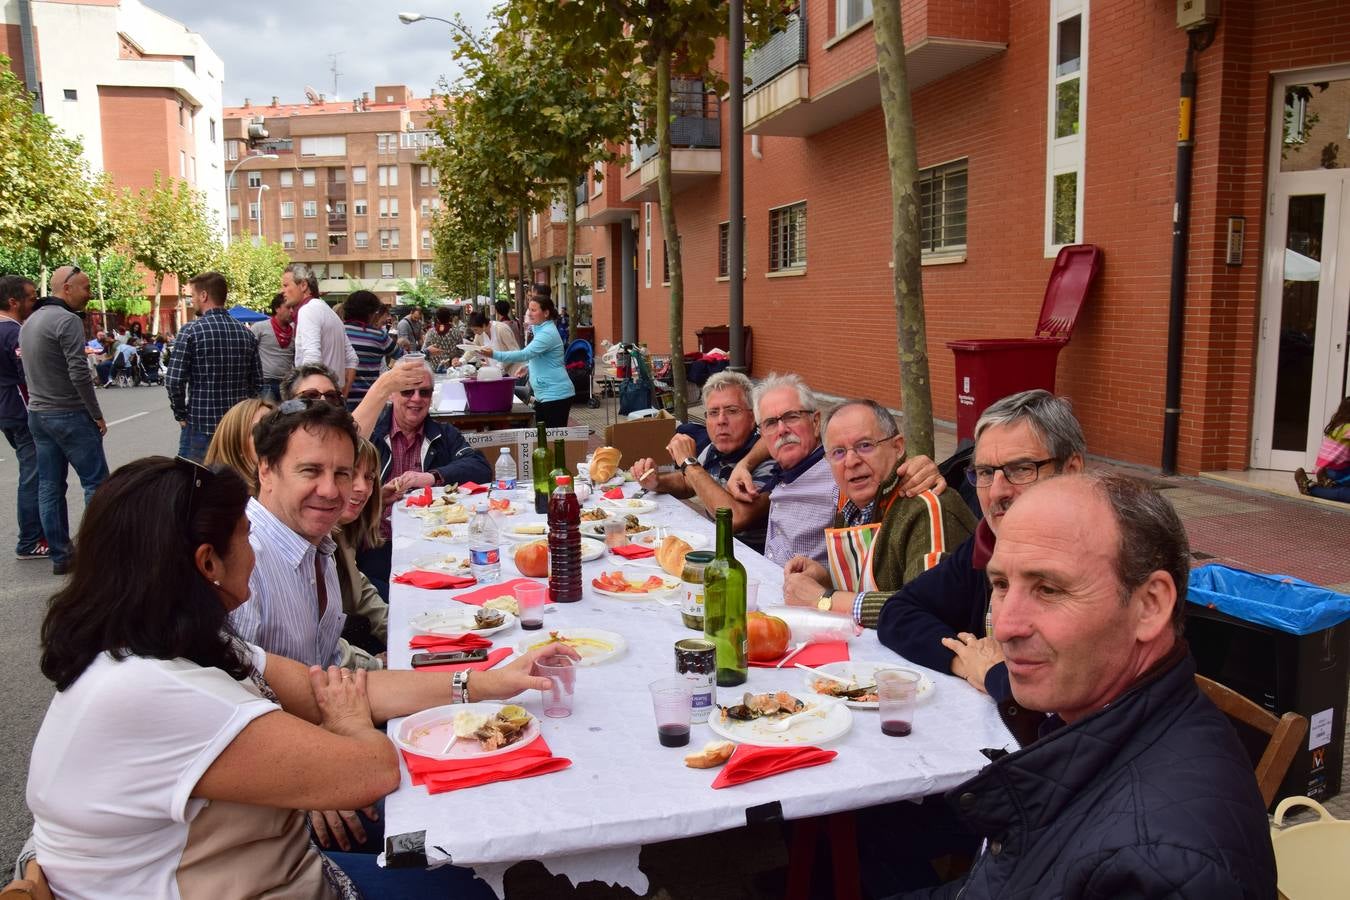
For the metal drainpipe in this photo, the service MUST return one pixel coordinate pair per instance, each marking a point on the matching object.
(29, 53)
(736, 186)
(1196, 41)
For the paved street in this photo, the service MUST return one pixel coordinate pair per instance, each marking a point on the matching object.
(139, 424)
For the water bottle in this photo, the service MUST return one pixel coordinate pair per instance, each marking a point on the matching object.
(485, 557)
(506, 471)
(564, 543)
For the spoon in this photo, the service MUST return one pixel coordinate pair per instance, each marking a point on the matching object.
(450, 743)
(783, 724)
(823, 674)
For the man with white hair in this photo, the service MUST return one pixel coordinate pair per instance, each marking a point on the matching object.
(320, 336)
(731, 430)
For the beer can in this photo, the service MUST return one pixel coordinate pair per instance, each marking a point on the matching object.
(696, 660)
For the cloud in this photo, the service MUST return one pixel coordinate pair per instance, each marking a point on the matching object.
(282, 48)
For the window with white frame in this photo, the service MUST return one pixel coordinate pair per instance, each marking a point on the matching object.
(425, 207)
(848, 13)
(384, 238)
(311, 209)
(359, 206)
(388, 176)
(557, 212)
(942, 208)
(358, 174)
(386, 270)
(427, 176)
(288, 240)
(647, 244)
(323, 146)
(288, 209)
(286, 178)
(787, 238)
(384, 207)
(182, 167)
(426, 239)
(723, 249)
(311, 240)
(307, 177)
(232, 150)
(393, 238)
(340, 208)
(601, 283)
(386, 142)
(253, 211)
(393, 207)
(362, 240)
(1067, 120)
(254, 179)
(234, 210)
(335, 270)
(435, 204)
(339, 175)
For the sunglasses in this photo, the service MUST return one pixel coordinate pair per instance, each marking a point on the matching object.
(421, 392)
(199, 474)
(333, 397)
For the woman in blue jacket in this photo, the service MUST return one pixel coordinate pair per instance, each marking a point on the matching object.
(553, 390)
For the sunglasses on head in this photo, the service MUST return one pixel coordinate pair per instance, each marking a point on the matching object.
(200, 475)
(421, 392)
(333, 397)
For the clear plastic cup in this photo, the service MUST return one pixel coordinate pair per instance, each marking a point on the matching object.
(672, 701)
(616, 532)
(530, 598)
(751, 595)
(557, 700)
(413, 357)
(897, 691)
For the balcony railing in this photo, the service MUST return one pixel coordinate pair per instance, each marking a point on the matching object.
(695, 123)
(779, 53)
(583, 191)
(275, 145)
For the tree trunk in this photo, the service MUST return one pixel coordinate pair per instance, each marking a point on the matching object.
(526, 260)
(911, 331)
(102, 301)
(672, 234)
(569, 263)
(154, 306)
(522, 238)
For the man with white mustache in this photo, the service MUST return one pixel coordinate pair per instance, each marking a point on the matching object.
(941, 619)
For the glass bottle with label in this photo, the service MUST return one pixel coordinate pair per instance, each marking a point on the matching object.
(691, 606)
(724, 614)
(541, 462)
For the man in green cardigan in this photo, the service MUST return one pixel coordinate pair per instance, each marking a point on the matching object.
(880, 539)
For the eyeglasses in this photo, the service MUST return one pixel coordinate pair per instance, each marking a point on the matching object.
(791, 417)
(421, 392)
(296, 404)
(862, 448)
(720, 412)
(333, 397)
(1021, 471)
(199, 474)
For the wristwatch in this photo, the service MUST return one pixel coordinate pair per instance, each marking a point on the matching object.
(688, 461)
(826, 602)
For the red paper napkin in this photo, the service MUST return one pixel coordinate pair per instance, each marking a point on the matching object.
(438, 643)
(434, 581)
(749, 763)
(633, 551)
(439, 776)
(502, 589)
(494, 657)
(813, 655)
(473, 487)
(421, 498)
(614, 493)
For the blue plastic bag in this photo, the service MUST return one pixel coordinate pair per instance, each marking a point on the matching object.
(1289, 604)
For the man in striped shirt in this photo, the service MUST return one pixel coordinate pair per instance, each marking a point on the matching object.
(880, 538)
(306, 457)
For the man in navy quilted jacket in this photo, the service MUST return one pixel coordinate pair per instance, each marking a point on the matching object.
(1137, 785)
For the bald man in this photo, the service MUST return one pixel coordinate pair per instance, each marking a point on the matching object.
(63, 410)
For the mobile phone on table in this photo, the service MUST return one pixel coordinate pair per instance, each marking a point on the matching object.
(450, 657)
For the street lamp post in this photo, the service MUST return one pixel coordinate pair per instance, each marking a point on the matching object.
(408, 18)
(229, 186)
(261, 188)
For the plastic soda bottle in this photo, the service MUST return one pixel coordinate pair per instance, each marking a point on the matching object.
(564, 543)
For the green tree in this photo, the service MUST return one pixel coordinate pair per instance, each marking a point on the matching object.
(424, 292)
(172, 235)
(123, 283)
(643, 43)
(253, 272)
(110, 225)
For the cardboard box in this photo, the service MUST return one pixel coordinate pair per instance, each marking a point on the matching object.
(522, 441)
(640, 438)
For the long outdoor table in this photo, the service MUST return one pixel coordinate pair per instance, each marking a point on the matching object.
(624, 789)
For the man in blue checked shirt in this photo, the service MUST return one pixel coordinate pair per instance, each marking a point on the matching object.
(214, 365)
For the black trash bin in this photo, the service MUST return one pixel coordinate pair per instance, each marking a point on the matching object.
(1285, 644)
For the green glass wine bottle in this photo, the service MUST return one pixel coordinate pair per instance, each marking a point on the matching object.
(724, 615)
(541, 463)
(559, 466)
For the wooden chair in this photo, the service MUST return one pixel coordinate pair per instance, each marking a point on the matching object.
(1286, 733)
(33, 885)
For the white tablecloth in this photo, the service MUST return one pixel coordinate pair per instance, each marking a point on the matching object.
(624, 789)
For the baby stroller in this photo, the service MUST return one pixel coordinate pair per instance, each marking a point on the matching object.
(149, 359)
(637, 391)
(126, 371)
(580, 362)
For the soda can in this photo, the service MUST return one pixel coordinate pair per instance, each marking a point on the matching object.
(696, 660)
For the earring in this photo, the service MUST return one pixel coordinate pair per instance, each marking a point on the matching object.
(216, 583)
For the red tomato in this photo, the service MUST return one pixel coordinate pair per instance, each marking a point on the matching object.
(767, 637)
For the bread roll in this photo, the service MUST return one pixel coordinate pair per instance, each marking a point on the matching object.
(671, 555)
(604, 463)
(713, 754)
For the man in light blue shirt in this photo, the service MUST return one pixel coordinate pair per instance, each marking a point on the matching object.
(306, 456)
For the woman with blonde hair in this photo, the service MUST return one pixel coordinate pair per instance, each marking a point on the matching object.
(363, 638)
(232, 444)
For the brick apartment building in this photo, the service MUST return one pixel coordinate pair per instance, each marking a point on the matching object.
(349, 191)
(1040, 123)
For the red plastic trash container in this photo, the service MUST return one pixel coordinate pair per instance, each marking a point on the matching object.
(989, 370)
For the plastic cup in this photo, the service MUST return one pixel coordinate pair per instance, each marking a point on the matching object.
(897, 690)
(530, 598)
(751, 595)
(557, 700)
(616, 532)
(413, 358)
(672, 701)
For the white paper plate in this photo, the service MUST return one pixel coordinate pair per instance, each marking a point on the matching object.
(468, 347)
(590, 655)
(633, 574)
(448, 564)
(597, 530)
(455, 621)
(458, 534)
(512, 532)
(865, 673)
(590, 548)
(654, 537)
(425, 733)
(629, 505)
(833, 723)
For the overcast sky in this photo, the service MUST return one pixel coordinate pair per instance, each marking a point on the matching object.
(282, 47)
